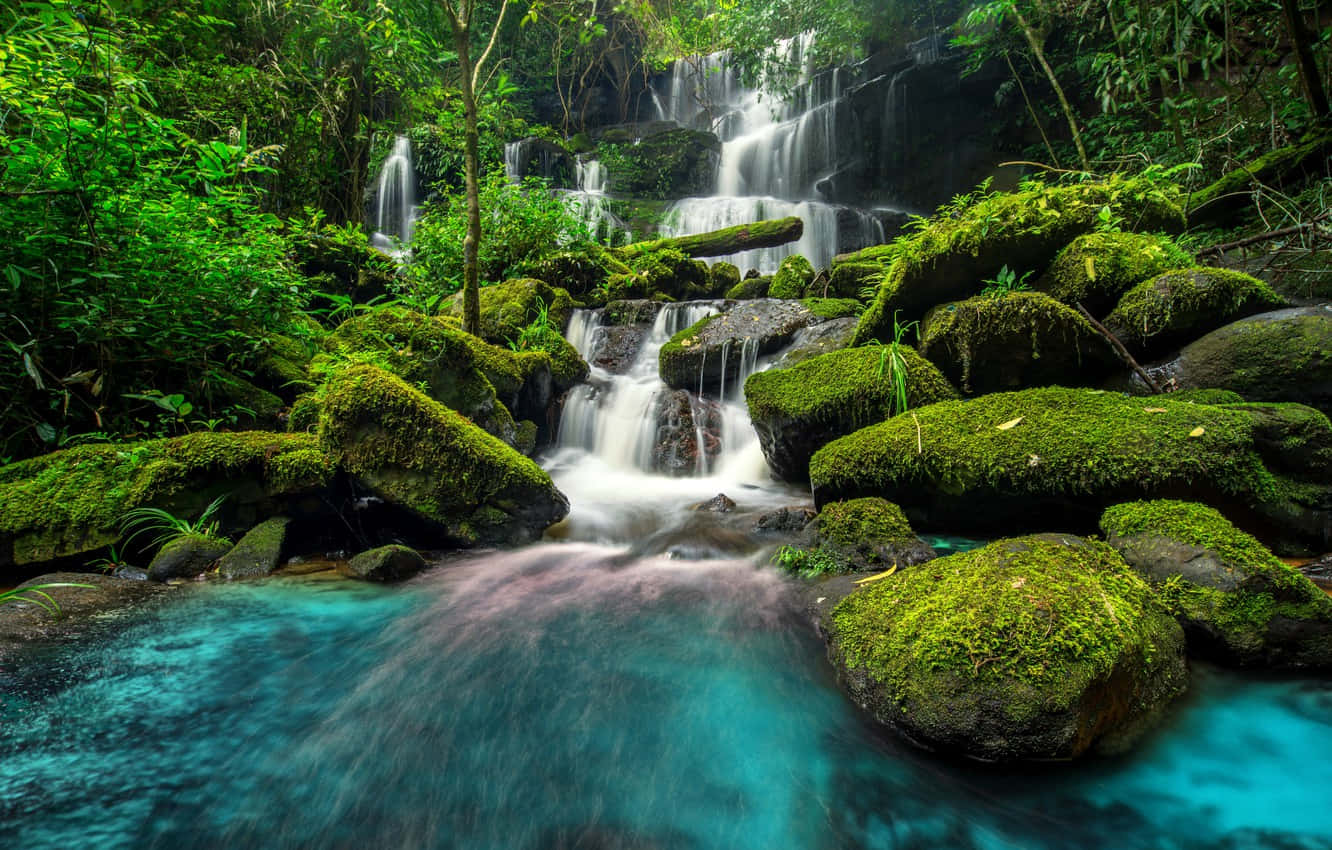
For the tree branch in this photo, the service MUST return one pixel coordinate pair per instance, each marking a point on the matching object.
(494, 36)
(1120, 350)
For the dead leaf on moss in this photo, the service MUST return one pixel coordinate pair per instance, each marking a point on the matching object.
(1009, 424)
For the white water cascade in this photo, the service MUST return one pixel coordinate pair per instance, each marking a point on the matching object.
(395, 201)
(588, 201)
(774, 154)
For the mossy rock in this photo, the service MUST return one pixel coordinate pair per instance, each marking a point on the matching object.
(868, 534)
(793, 277)
(252, 405)
(283, 366)
(750, 288)
(822, 338)
(833, 308)
(415, 453)
(950, 256)
(675, 163)
(1285, 355)
(1097, 268)
(1236, 600)
(258, 553)
(850, 279)
(723, 277)
(393, 562)
(578, 272)
(187, 556)
(303, 417)
(71, 502)
(797, 411)
(1159, 314)
(1032, 648)
(508, 307)
(347, 268)
(1009, 461)
(667, 273)
(1019, 340)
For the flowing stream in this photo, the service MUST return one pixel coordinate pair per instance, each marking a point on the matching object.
(645, 682)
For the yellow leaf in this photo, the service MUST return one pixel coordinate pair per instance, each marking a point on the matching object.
(1090, 265)
(1009, 424)
(1153, 410)
(1198, 432)
(878, 576)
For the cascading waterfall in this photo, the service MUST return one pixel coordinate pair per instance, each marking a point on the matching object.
(774, 154)
(587, 201)
(395, 200)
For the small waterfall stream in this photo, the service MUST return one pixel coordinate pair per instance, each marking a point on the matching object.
(395, 200)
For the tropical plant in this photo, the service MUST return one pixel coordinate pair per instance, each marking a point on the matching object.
(1005, 283)
(540, 334)
(166, 526)
(892, 363)
(806, 563)
(36, 595)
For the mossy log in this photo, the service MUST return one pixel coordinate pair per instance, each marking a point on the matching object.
(729, 240)
(1231, 192)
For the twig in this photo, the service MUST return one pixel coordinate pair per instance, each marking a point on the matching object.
(1263, 237)
(1120, 350)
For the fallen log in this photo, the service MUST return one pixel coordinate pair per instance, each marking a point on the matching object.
(730, 240)
(1234, 190)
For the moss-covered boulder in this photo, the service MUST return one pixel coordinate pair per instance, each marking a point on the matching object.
(252, 405)
(664, 274)
(867, 534)
(343, 266)
(793, 277)
(1023, 339)
(283, 364)
(1097, 268)
(187, 556)
(393, 562)
(1236, 600)
(1170, 309)
(71, 502)
(722, 278)
(508, 307)
(797, 411)
(1030, 648)
(1285, 355)
(466, 486)
(671, 163)
(1023, 460)
(950, 256)
(578, 272)
(749, 289)
(713, 350)
(258, 553)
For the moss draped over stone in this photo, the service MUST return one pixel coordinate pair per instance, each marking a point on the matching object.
(418, 454)
(508, 307)
(948, 259)
(1027, 459)
(1035, 647)
(70, 502)
(793, 277)
(1097, 268)
(868, 534)
(1236, 600)
(798, 410)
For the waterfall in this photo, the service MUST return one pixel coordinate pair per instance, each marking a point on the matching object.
(587, 201)
(395, 200)
(777, 155)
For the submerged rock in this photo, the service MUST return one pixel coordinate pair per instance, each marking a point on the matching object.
(1236, 600)
(258, 553)
(1032, 648)
(187, 556)
(796, 411)
(387, 563)
(1028, 459)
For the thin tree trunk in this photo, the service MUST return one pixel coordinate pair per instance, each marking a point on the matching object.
(472, 182)
(1035, 44)
(1302, 42)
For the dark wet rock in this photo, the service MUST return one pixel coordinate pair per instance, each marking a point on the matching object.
(1032, 648)
(683, 419)
(617, 346)
(1237, 602)
(1319, 569)
(713, 350)
(631, 312)
(387, 563)
(258, 553)
(187, 556)
(80, 608)
(819, 339)
(788, 520)
(131, 573)
(669, 162)
(1285, 355)
(718, 504)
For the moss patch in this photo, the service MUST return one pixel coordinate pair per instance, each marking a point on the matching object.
(508, 307)
(1180, 305)
(834, 308)
(750, 288)
(1097, 268)
(792, 279)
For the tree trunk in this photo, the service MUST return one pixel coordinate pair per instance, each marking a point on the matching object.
(730, 240)
(472, 183)
(1035, 44)
(1302, 42)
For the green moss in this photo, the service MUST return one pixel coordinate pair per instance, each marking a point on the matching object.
(1282, 356)
(850, 385)
(72, 501)
(1267, 168)
(421, 455)
(723, 277)
(1206, 396)
(1028, 617)
(578, 272)
(508, 307)
(1021, 339)
(673, 164)
(856, 520)
(1178, 304)
(687, 337)
(850, 279)
(304, 414)
(833, 308)
(1097, 268)
(750, 288)
(793, 277)
(1058, 442)
(949, 256)
(668, 272)
(225, 389)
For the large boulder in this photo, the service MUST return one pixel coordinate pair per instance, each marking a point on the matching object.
(1170, 309)
(688, 435)
(1095, 269)
(797, 411)
(1022, 460)
(713, 351)
(508, 307)
(466, 487)
(867, 534)
(793, 277)
(72, 502)
(953, 253)
(1236, 600)
(258, 553)
(823, 338)
(1033, 648)
(670, 163)
(83, 599)
(1285, 355)
(1023, 339)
